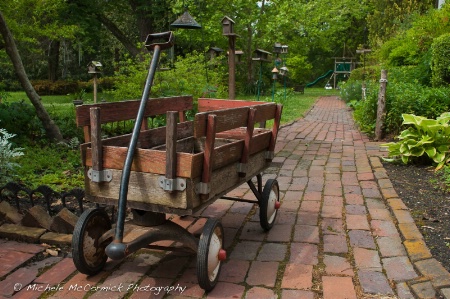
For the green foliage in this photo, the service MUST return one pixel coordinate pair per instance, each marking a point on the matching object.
(188, 77)
(8, 156)
(19, 118)
(56, 165)
(441, 60)
(365, 111)
(404, 95)
(407, 98)
(424, 136)
(351, 91)
(299, 67)
(388, 17)
(412, 46)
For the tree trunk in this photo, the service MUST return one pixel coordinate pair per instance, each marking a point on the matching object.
(134, 51)
(53, 60)
(51, 129)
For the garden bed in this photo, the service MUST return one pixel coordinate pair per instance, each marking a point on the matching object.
(429, 204)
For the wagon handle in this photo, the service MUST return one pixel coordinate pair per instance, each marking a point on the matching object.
(117, 249)
(164, 40)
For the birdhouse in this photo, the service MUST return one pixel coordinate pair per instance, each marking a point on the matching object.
(237, 55)
(284, 71)
(274, 73)
(227, 26)
(213, 52)
(284, 49)
(94, 67)
(261, 55)
(277, 48)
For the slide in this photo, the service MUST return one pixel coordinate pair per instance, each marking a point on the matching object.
(320, 78)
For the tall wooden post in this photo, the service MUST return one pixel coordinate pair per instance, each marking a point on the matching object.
(231, 67)
(95, 88)
(381, 111)
(228, 30)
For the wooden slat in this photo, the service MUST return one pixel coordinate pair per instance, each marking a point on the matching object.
(206, 104)
(209, 148)
(248, 137)
(276, 126)
(151, 161)
(142, 187)
(227, 154)
(265, 112)
(152, 137)
(171, 144)
(125, 110)
(96, 136)
(226, 120)
(260, 142)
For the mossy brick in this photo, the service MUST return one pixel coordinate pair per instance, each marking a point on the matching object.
(64, 222)
(397, 204)
(424, 290)
(9, 213)
(432, 269)
(37, 216)
(21, 233)
(410, 231)
(417, 249)
(56, 239)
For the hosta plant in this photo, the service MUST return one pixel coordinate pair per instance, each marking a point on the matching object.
(430, 137)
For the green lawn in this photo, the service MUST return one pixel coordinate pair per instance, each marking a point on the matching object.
(296, 104)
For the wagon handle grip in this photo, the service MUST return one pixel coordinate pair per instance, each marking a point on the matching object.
(163, 39)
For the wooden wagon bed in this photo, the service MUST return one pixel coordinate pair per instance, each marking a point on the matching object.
(185, 165)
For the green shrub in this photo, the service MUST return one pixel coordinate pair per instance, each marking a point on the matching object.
(351, 90)
(408, 98)
(401, 98)
(188, 77)
(60, 87)
(19, 118)
(365, 111)
(441, 60)
(423, 138)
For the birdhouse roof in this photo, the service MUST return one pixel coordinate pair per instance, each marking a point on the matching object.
(95, 63)
(227, 19)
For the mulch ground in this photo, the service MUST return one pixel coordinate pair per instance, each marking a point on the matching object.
(423, 192)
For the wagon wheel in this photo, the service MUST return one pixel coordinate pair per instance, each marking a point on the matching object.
(268, 207)
(89, 256)
(210, 254)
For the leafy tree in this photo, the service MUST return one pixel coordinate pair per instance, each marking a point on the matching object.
(10, 46)
(388, 17)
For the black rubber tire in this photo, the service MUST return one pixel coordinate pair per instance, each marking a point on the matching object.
(88, 256)
(212, 232)
(271, 195)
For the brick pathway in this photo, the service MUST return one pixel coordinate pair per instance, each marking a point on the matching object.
(341, 232)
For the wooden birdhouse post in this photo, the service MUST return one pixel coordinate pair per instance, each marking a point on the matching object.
(228, 30)
(94, 67)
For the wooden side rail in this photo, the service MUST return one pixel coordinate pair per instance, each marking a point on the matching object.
(126, 110)
(233, 118)
(207, 104)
